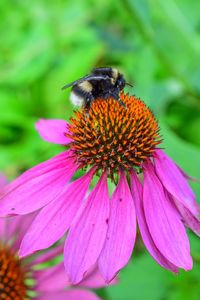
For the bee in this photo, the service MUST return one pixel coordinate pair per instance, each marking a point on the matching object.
(104, 82)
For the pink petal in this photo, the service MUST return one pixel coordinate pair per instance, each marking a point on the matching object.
(3, 235)
(174, 181)
(16, 228)
(88, 233)
(51, 279)
(55, 218)
(94, 279)
(13, 229)
(79, 294)
(3, 180)
(72, 294)
(163, 221)
(53, 131)
(37, 170)
(43, 257)
(121, 232)
(136, 188)
(189, 219)
(37, 186)
(186, 176)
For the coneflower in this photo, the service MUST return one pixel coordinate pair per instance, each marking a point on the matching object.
(28, 278)
(122, 144)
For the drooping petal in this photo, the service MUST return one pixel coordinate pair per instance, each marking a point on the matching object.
(51, 279)
(174, 181)
(37, 186)
(43, 257)
(136, 188)
(88, 232)
(53, 131)
(17, 227)
(38, 170)
(93, 279)
(55, 218)
(75, 294)
(3, 236)
(121, 233)
(163, 221)
(3, 180)
(72, 294)
(188, 218)
(186, 176)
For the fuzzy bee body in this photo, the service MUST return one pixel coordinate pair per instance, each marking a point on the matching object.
(101, 83)
(81, 93)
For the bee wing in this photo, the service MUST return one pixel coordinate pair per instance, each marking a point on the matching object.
(88, 77)
(101, 69)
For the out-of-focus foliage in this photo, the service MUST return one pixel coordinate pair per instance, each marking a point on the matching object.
(156, 44)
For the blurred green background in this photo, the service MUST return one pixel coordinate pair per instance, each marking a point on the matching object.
(156, 44)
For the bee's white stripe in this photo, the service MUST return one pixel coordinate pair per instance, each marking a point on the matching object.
(76, 100)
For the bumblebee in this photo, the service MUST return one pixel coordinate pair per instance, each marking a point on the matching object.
(102, 83)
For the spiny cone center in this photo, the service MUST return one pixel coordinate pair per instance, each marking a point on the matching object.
(112, 137)
(12, 279)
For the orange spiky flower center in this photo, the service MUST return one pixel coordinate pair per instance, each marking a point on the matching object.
(12, 276)
(111, 137)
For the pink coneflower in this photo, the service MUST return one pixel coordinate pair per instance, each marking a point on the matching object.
(116, 144)
(20, 279)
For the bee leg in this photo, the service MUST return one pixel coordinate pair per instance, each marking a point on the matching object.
(121, 103)
(116, 97)
(88, 101)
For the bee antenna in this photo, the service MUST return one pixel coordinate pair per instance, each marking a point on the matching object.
(126, 83)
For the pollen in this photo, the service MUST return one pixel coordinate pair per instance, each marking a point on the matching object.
(12, 278)
(112, 137)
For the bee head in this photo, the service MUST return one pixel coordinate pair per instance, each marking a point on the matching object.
(120, 83)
